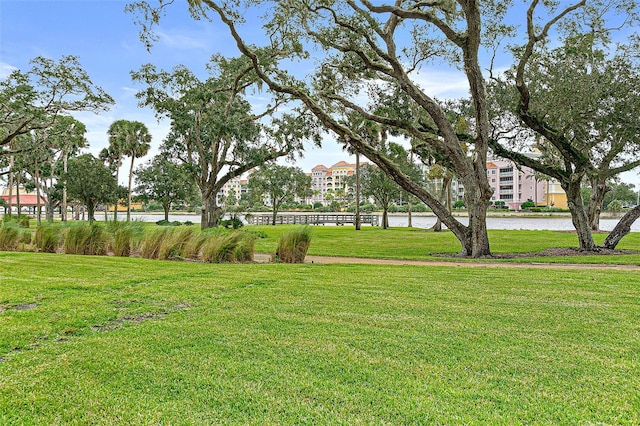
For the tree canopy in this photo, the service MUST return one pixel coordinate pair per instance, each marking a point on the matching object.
(89, 181)
(164, 181)
(279, 184)
(34, 99)
(377, 50)
(575, 105)
(214, 129)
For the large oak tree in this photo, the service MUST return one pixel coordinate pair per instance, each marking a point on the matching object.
(577, 105)
(214, 130)
(33, 100)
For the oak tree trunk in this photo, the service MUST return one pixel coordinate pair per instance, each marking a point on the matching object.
(596, 200)
(578, 215)
(622, 228)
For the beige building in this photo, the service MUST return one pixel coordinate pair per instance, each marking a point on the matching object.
(238, 185)
(328, 183)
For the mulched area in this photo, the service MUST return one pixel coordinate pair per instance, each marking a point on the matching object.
(560, 251)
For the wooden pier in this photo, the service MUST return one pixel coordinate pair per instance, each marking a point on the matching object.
(313, 219)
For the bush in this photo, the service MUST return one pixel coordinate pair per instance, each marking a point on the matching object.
(615, 206)
(527, 204)
(547, 210)
(233, 223)
(293, 245)
(152, 243)
(48, 237)
(164, 222)
(10, 234)
(172, 246)
(419, 208)
(126, 236)
(83, 238)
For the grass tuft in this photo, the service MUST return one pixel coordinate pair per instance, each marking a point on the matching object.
(235, 247)
(293, 245)
(82, 238)
(172, 246)
(10, 233)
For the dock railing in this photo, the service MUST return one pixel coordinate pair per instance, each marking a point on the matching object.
(312, 219)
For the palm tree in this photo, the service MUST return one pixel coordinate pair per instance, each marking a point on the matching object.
(137, 145)
(113, 155)
(371, 131)
(131, 139)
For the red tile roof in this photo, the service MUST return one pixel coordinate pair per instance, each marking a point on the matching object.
(25, 200)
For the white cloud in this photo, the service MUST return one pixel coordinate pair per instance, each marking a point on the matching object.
(181, 41)
(442, 84)
(5, 70)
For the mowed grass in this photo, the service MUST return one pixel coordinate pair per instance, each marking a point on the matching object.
(105, 340)
(420, 244)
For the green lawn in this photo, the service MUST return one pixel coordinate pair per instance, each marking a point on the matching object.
(418, 244)
(103, 340)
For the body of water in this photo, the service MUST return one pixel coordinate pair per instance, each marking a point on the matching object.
(510, 222)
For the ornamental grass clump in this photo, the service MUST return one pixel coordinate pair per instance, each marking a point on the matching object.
(235, 247)
(127, 237)
(245, 249)
(10, 234)
(172, 246)
(220, 248)
(193, 247)
(48, 237)
(152, 243)
(84, 238)
(293, 245)
(21, 220)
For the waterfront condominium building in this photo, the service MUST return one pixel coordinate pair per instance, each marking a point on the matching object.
(515, 185)
(330, 182)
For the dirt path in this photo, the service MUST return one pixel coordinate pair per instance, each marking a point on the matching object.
(266, 257)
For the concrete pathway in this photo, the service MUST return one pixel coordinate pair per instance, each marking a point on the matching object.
(266, 257)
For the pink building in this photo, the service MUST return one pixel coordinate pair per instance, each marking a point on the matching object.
(514, 186)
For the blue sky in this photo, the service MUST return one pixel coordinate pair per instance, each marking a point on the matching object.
(106, 40)
(107, 43)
